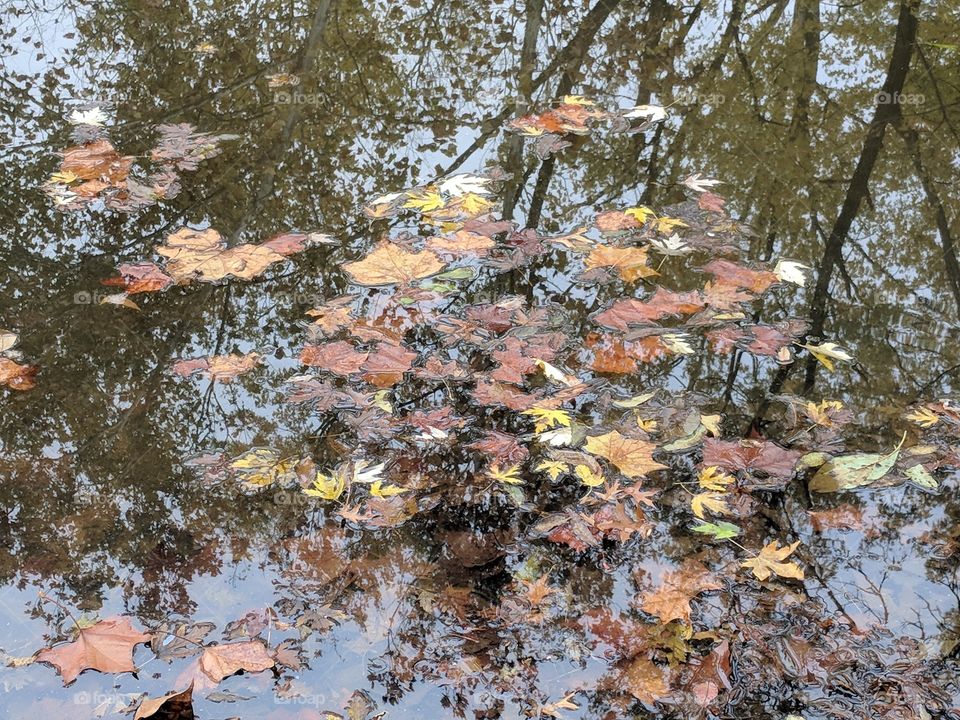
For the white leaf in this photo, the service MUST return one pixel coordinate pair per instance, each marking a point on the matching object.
(677, 343)
(558, 437)
(465, 183)
(792, 272)
(363, 472)
(672, 245)
(698, 183)
(650, 113)
(95, 117)
(386, 199)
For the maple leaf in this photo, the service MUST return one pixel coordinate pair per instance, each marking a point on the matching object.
(510, 475)
(588, 477)
(96, 160)
(385, 366)
(650, 113)
(462, 242)
(94, 116)
(328, 487)
(259, 467)
(390, 264)
(755, 281)
(339, 357)
(106, 646)
(616, 221)
(792, 272)
(220, 661)
(140, 277)
(553, 709)
(645, 680)
(465, 183)
(178, 703)
(712, 501)
(378, 489)
(770, 560)
(631, 456)
(424, 201)
(630, 262)
(713, 478)
(750, 455)
(698, 183)
(671, 600)
(548, 417)
(553, 468)
(224, 368)
(203, 255)
(923, 416)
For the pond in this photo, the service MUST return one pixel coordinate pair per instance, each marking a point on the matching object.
(455, 359)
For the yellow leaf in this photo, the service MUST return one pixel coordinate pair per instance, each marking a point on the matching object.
(553, 468)
(473, 204)
(63, 178)
(713, 478)
(770, 561)
(646, 425)
(548, 418)
(327, 487)
(668, 225)
(641, 213)
(588, 477)
(378, 489)
(711, 423)
(630, 262)
(711, 501)
(510, 476)
(924, 417)
(827, 352)
(424, 200)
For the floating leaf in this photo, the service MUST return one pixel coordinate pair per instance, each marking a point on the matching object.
(106, 646)
(631, 456)
(770, 561)
(390, 264)
(720, 530)
(852, 471)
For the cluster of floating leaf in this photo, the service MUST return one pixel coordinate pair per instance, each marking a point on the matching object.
(501, 390)
(93, 170)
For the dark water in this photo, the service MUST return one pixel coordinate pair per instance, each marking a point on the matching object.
(787, 102)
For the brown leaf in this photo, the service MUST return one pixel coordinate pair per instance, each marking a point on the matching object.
(770, 560)
(338, 357)
(106, 646)
(671, 601)
(223, 368)
(385, 366)
(750, 456)
(756, 281)
(624, 313)
(16, 376)
(390, 264)
(175, 704)
(645, 680)
(140, 278)
(220, 661)
(631, 456)
(630, 262)
(96, 160)
(202, 255)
